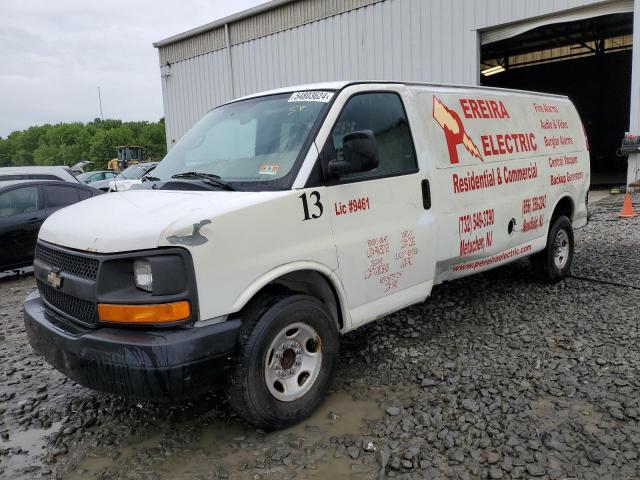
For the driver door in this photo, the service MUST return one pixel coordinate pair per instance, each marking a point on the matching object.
(380, 225)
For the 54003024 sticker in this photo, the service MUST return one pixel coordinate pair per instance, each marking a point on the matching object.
(352, 206)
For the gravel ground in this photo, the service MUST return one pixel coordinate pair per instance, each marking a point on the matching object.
(496, 376)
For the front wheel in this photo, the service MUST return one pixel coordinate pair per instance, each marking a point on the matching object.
(286, 359)
(553, 263)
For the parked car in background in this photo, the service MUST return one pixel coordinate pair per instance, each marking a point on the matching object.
(24, 205)
(91, 177)
(37, 173)
(80, 166)
(131, 176)
(103, 184)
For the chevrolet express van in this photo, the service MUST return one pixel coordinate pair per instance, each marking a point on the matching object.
(283, 219)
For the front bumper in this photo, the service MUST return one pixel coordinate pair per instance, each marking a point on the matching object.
(150, 364)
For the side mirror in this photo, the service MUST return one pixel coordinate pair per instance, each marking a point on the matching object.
(359, 154)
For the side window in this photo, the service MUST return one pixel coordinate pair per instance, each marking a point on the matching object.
(29, 176)
(59, 196)
(84, 194)
(384, 114)
(39, 176)
(19, 201)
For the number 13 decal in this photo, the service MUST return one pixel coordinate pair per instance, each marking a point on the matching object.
(316, 203)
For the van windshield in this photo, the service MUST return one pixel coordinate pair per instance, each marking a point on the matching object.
(254, 142)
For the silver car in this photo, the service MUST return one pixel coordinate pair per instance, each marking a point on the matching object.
(91, 178)
(132, 175)
(37, 173)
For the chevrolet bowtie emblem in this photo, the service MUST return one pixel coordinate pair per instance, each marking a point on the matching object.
(54, 279)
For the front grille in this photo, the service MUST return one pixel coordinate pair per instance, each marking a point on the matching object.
(80, 310)
(79, 266)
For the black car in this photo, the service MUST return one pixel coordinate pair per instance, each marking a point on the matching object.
(24, 205)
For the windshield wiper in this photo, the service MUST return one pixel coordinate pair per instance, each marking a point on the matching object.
(149, 178)
(208, 178)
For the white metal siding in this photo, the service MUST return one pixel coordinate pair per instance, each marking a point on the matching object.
(283, 16)
(197, 45)
(427, 40)
(290, 15)
(192, 88)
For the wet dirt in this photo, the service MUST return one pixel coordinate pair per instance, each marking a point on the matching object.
(214, 447)
(25, 445)
(496, 376)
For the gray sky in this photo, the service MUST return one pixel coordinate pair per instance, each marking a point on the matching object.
(54, 53)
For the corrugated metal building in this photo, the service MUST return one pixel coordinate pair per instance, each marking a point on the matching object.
(288, 42)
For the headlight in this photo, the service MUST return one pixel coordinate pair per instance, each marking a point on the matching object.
(149, 287)
(143, 276)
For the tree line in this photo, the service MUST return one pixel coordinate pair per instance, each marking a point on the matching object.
(69, 143)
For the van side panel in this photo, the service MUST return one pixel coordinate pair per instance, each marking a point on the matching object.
(503, 161)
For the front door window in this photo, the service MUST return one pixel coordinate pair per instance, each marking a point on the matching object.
(383, 114)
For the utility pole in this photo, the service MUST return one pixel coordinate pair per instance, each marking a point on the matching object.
(100, 102)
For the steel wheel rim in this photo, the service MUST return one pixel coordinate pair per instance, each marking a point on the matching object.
(293, 362)
(561, 248)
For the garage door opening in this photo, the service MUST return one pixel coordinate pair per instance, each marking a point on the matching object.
(588, 60)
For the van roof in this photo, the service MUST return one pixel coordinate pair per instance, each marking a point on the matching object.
(343, 84)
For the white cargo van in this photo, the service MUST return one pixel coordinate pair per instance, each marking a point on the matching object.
(285, 218)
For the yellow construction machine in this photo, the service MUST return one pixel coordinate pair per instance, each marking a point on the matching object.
(127, 155)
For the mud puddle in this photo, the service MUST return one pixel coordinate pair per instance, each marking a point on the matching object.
(552, 414)
(25, 446)
(213, 448)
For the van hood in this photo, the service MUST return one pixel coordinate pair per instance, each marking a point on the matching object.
(142, 219)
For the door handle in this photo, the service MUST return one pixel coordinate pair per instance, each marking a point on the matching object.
(426, 194)
(34, 220)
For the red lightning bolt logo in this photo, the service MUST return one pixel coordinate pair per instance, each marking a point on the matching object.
(453, 131)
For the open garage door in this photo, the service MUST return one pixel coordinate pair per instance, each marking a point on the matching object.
(587, 58)
(511, 30)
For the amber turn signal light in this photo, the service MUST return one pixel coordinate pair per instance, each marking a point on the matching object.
(138, 314)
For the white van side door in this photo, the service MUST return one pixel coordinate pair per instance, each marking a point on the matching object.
(381, 227)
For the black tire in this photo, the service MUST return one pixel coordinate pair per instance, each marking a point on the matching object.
(264, 319)
(545, 265)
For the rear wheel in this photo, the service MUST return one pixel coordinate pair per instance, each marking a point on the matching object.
(286, 359)
(554, 262)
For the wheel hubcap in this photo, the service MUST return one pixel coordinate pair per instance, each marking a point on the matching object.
(561, 249)
(293, 362)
